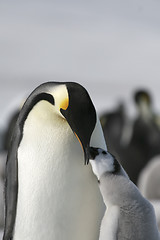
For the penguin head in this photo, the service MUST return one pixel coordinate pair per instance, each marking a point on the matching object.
(141, 96)
(103, 162)
(80, 115)
(71, 102)
(143, 103)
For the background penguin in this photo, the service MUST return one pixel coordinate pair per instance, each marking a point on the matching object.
(50, 193)
(7, 124)
(9, 130)
(149, 184)
(149, 179)
(2, 177)
(146, 134)
(145, 139)
(8, 119)
(113, 123)
(129, 215)
(133, 142)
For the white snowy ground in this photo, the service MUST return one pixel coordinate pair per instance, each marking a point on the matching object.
(111, 47)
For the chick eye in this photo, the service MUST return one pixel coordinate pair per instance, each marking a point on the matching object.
(104, 152)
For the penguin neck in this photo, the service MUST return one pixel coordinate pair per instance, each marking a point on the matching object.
(145, 111)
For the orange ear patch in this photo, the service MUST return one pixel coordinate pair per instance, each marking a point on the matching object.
(78, 140)
(64, 104)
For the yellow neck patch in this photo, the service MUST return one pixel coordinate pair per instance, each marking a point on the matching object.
(64, 104)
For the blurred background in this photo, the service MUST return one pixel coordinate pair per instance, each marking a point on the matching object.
(110, 47)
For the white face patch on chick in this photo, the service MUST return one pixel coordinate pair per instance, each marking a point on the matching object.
(102, 162)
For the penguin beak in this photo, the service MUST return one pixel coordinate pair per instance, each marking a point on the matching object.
(81, 116)
(79, 131)
(93, 153)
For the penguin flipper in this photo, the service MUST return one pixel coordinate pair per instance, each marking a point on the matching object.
(11, 187)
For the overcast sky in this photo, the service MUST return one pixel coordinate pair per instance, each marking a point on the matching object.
(111, 47)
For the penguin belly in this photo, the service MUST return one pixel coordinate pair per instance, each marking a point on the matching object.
(58, 196)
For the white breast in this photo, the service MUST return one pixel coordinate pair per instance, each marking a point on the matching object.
(58, 196)
(109, 226)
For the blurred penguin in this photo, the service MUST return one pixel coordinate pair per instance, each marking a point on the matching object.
(7, 123)
(144, 142)
(149, 179)
(3, 157)
(149, 184)
(146, 134)
(9, 130)
(8, 119)
(112, 124)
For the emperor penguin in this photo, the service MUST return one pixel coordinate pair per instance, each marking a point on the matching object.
(51, 192)
(143, 142)
(149, 184)
(129, 215)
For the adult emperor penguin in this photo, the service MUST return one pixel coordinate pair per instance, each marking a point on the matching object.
(50, 193)
(149, 184)
(129, 215)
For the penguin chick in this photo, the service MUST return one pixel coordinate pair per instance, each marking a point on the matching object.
(129, 215)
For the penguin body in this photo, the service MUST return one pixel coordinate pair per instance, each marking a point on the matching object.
(2, 175)
(129, 215)
(145, 138)
(113, 124)
(56, 195)
(149, 179)
(148, 184)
